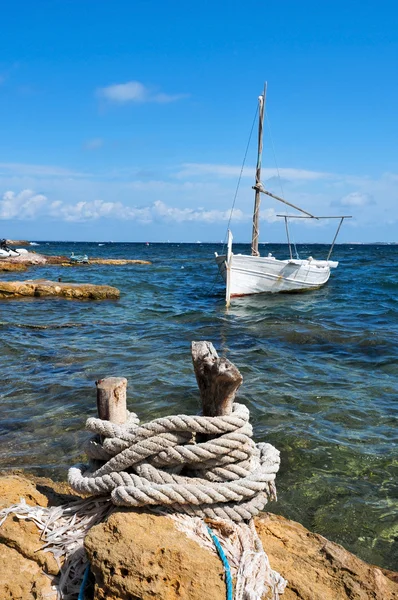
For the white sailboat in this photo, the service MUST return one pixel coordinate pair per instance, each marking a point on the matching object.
(254, 274)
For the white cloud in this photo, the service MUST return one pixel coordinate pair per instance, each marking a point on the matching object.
(28, 205)
(269, 215)
(355, 199)
(193, 196)
(162, 211)
(134, 91)
(25, 205)
(97, 209)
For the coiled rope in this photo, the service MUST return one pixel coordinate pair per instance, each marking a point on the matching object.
(165, 463)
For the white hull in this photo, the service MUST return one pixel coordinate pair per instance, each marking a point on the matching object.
(9, 253)
(245, 274)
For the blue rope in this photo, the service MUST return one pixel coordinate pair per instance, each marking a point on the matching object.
(84, 583)
(224, 560)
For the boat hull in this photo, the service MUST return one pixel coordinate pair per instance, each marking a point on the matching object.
(245, 275)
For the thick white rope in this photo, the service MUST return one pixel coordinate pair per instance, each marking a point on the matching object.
(249, 564)
(163, 463)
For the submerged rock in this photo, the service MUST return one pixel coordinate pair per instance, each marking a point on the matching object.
(11, 266)
(41, 288)
(117, 261)
(31, 258)
(140, 555)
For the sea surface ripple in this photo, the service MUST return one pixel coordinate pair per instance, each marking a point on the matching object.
(320, 372)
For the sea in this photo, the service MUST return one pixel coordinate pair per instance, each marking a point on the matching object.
(320, 372)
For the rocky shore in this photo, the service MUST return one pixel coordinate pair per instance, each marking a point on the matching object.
(139, 555)
(41, 288)
(31, 259)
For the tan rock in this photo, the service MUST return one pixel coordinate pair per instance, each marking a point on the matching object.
(14, 487)
(37, 491)
(17, 243)
(32, 258)
(41, 288)
(28, 258)
(143, 556)
(24, 537)
(118, 261)
(21, 559)
(318, 569)
(22, 579)
(65, 262)
(9, 266)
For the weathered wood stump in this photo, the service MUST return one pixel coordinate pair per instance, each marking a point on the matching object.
(218, 379)
(111, 399)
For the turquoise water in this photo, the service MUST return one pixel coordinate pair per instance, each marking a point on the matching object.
(320, 373)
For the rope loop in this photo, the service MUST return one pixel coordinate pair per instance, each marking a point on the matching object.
(202, 466)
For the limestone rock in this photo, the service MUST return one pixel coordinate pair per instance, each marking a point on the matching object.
(10, 266)
(32, 258)
(17, 243)
(29, 258)
(118, 261)
(41, 288)
(22, 562)
(22, 579)
(142, 556)
(64, 261)
(318, 569)
(14, 487)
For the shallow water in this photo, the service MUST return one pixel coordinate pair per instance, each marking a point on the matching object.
(320, 373)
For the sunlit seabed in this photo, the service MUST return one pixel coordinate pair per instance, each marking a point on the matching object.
(320, 373)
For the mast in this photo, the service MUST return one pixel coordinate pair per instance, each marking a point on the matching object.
(257, 186)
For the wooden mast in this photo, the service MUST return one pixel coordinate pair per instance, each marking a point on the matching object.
(257, 186)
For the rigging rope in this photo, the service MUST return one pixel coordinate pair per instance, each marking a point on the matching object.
(239, 179)
(218, 274)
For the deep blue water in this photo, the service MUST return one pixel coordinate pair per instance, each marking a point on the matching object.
(320, 372)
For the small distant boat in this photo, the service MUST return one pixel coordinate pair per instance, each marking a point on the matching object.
(7, 252)
(253, 274)
(78, 258)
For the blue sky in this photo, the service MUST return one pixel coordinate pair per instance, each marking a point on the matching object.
(129, 120)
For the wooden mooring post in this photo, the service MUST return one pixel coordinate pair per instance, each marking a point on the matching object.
(218, 381)
(111, 399)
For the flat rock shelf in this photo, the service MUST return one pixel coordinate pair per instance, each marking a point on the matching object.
(140, 555)
(65, 262)
(42, 288)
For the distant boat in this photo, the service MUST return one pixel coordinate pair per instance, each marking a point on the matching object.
(7, 252)
(78, 258)
(254, 274)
